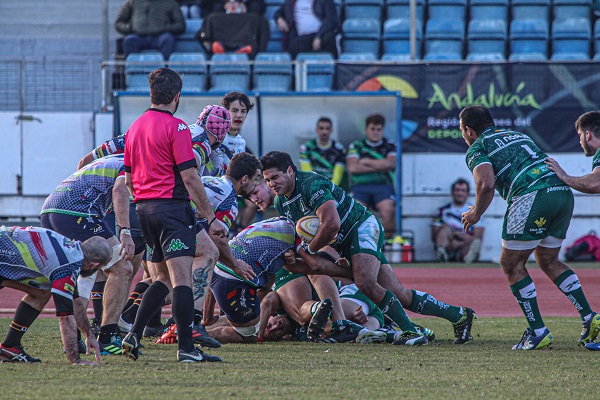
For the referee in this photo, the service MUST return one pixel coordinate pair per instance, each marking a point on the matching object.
(160, 172)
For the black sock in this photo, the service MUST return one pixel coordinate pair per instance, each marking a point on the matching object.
(24, 317)
(152, 300)
(155, 320)
(183, 313)
(139, 288)
(97, 296)
(106, 332)
(130, 313)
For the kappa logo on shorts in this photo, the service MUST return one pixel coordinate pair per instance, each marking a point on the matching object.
(540, 222)
(181, 127)
(176, 245)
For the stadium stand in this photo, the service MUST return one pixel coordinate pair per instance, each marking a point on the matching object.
(275, 44)
(192, 70)
(564, 9)
(186, 42)
(571, 36)
(486, 36)
(488, 9)
(395, 57)
(597, 38)
(363, 9)
(447, 9)
(229, 72)
(531, 9)
(356, 57)
(401, 9)
(272, 72)
(137, 68)
(444, 39)
(271, 6)
(529, 36)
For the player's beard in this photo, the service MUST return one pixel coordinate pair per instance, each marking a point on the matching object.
(586, 149)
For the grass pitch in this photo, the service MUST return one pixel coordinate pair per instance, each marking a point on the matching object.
(484, 368)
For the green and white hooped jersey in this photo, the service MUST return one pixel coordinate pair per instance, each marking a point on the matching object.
(517, 161)
(311, 191)
(596, 160)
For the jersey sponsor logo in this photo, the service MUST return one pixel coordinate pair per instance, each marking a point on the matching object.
(316, 195)
(176, 245)
(181, 127)
(69, 288)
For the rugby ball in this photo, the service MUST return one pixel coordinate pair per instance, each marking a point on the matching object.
(307, 227)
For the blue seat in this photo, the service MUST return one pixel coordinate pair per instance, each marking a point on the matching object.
(597, 37)
(396, 57)
(229, 72)
(192, 69)
(401, 9)
(570, 56)
(572, 9)
(531, 9)
(316, 72)
(357, 57)
(447, 9)
(361, 36)
(186, 42)
(486, 36)
(275, 43)
(444, 36)
(363, 9)
(527, 57)
(138, 66)
(396, 36)
(486, 57)
(529, 36)
(571, 35)
(442, 56)
(489, 9)
(272, 72)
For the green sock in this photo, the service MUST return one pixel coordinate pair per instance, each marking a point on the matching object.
(524, 292)
(390, 306)
(340, 324)
(568, 283)
(426, 304)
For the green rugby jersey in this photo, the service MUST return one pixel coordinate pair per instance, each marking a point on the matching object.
(321, 160)
(596, 160)
(310, 192)
(362, 149)
(517, 161)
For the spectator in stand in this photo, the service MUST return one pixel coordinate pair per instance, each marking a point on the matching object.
(371, 164)
(452, 243)
(150, 25)
(216, 6)
(308, 26)
(236, 30)
(323, 155)
(191, 9)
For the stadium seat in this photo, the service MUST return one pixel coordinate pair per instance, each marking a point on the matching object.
(401, 9)
(531, 9)
(442, 56)
(396, 36)
(395, 57)
(318, 71)
(527, 57)
(356, 57)
(363, 9)
(486, 57)
(272, 72)
(361, 36)
(571, 35)
(138, 66)
(529, 36)
(275, 43)
(489, 9)
(229, 72)
(444, 37)
(447, 9)
(192, 69)
(486, 36)
(570, 56)
(271, 6)
(186, 42)
(564, 9)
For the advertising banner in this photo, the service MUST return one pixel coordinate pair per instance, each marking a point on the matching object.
(542, 100)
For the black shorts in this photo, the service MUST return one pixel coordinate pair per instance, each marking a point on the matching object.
(237, 299)
(76, 228)
(169, 227)
(134, 226)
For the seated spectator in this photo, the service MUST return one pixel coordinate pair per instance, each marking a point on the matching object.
(323, 155)
(452, 243)
(371, 164)
(191, 9)
(150, 25)
(234, 31)
(308, 26)
(216, 6)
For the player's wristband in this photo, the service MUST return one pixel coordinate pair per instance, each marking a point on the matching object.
(211, 221)
(308, 250)
(124, 228)
(125, 231)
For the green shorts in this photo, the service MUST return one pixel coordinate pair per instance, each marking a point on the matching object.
(537, 215)
(368, 238)
(352, 292)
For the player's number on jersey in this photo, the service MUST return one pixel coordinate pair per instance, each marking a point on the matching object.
(529, 151)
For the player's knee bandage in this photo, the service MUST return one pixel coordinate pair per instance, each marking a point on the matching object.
(247, 331)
